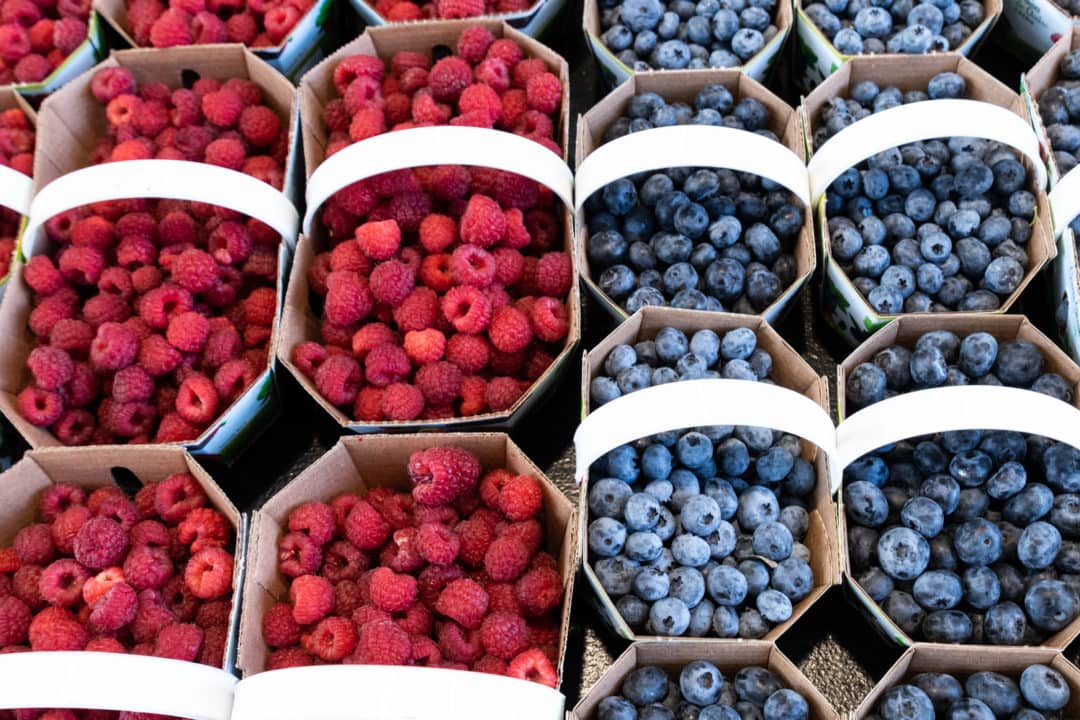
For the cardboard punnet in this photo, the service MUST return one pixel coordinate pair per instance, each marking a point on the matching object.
(817, 58)
(961, 662)
(16, 189)
(729, 659)
(69, 123)
(718, 404)
(90, 51)
(533, 21)
(418, 147)
(1040, 78)
(992, 111)
(1033, 26)
(360, 463)
(116, 682)
(308, 42)
(708, 146)
(1022, 410)
(615, 71)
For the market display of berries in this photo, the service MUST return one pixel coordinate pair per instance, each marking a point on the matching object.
(146, 575)
(701, 690)
(700, 532)
(1038, 693)
(17, 138)
(450, 575)
(172, 23)
(672, 357)
(684, 34)
(1059, 109)
(714, 104)
(857, 27)
(152, 316)
(933, 226)
(36, 37)
(406, 10)
(941, 357)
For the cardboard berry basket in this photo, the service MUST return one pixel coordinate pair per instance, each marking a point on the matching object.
(993, 112)
(310, 40)
(600, 163)
(68, 124)
(796, 404)
(112, 681)
(534, 21)
(729, 659)
(1034, 26)
(615, 71)
(961, 662)
(16, 189)
(418, 147)
(92, 50)
(358, 464)
(817, 58)
(942, 409)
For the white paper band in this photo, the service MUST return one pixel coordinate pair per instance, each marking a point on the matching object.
(373, 692)
(921, 121)
(112, 681)
(16, 190)
(441, 145)
(173, 179)
(1065, 200)
(967, 407)
(691, 146)
(697, 403)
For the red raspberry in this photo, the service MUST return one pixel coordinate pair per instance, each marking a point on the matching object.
(222, 107)
(280, 21)
(149, 532)
(481, 98)
(14, 42)
(544, 92)
(392, 592)
(298, 555)
(204, 527)
(425, 346)
(549, 319)
(450, 182)
(418, 311)
(176, 496)
(115, 609)
(197, 401)
(469, 352)
(539, 591)
(467, 309)
(110, 82)
(25, 586)
(259, 125)
(506, 50)
(105, 644)
(379, 240)
(242, 28)
(528, 532)
(368, 405)
(476, 537)
(348, 299)
(172, 28)
(504, 635)
(491, 665)
(62, 582)
(179, 642)
(365, 527)
(42, 276)
(279, 629)
(226, 152)
(383, 643)
(506, 559)
(391, 281)
(100, 543)
(367, 123)
(354, 66)
(370, 336)
(188, 331)
(437, 543)
(510, 330)
(338, 379)
(440, 382)
(287, 658)
(56, 629)
(148, 567)
(449, 76)
(34, 545)
(520, 498)
(57, 498)
(343, 561)
(174, 428)
(222, 346)
(471, 265)
(157, 357)
(386, 364)
(308, 356)
(533, 665)
(526, 69)
(15, 619)
(473, 42)
(209, 573)
(66, 525)
(458, 644)
(435, 272)
(452, 9)
(363, 93)
(40, 407)
(151, 616)
(483, 223)
(316, 520)
(402, 402)
(441, 474)
(463, 601)
(554, 274)
(195, 271)
(333, 639)
(260, 307)
(502, 392)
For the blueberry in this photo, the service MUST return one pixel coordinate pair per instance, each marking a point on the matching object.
(700, 682)
(700, 515)
(1051, 605)
(865, 386)
(947, 626)
(606, 537)
(757, 505)
(616, 708)
(1044, 688)
(996, 691)
(621, 463)
(938, 590)
(1019, 363)
(616, 574)
(690, 550)
(645, 685)
(772, 540)
(905, 702)
(642, 512)
(902, 553)
(1062, 467)
(693, 449)
(865, 504)
(645, 547)
(1038, 545)
(688, 585)
(726, 586)
(794, 578)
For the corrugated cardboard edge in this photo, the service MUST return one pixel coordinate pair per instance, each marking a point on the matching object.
(790, 371)
(69, 122)
(299, 323)
(962, 661)
(362, 462)
(910, 72)
(21, 485)
(905, 331)
(729, 658)
(682, 86)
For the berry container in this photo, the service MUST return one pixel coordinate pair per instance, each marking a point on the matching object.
(817, 58)
(1032, 27)
(600, 163)
(310, 40)
(91, 51)
(114, 681)
(728, 659)
(412, 148)
(533, 21)
(615, 71)
(992, 112)
(961, 662)
(943, 409)
(796, 404)
(69, 122)
(16, 189)
(364, 463)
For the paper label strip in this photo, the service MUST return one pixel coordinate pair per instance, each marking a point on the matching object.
(691, 146)
(442, 145)
(112, 681)
(1065, 200)
(921, 121)
(16, 190)
(173, 179)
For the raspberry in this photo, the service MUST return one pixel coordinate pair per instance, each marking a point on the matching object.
(383, 643)
(260, 307)
(338, 379)
(333, 639)
(386, 364)
(242, 28)
(402, 402)
(42, 276)
(526, 69)
(391, 591)
(259, 125)
(348, 299)
(425, 346)
(174, 428)
(34, 545)
(188, 331)
(110, 82)
(459, 644)
(544, 92)
(280, 21)
(100, 543)
(370, 336)
(441, 474)
(62, 582)
(222, 346)
(75, 427)
(483, 223)
(207, 28)
(549, 319)
(502, 392)
(354, 66)
(367, 123)
(437, 543)
(316, 520)
(379, 240)
(535, 666)
(452, 9)
(25, 586)
(104, 308)
(209, 573)
(15, 619)
(368, 405)
(467, 309)
(463, 601)
(82, 265)
(151, 616)
(491, 665)
(481, 98)
(473, 42)
(418, 311)
(204, 527)
(14, 42)
(57, 498)
(172, 28)
(56, 629)
(147, 567)
(181, 641)
(391, 281)
(150, 533)
(279, 629)
(504, 635)
(230, 243)
(418, 620)
(215, 612)
(506, 50)
(308, 356)
(469, 352)
(475, 537)
(298, 555)
(226, 152)
(440, 382)
(450, 182)
(222, 107)
(158, 357)
(115, 609)
(471, 265)
(197, 401)
(510, 330)
(449, 76)
(363, 93)
(176, 496)
(343, 561)
(539, 591)
(554, 274)
(365, 527)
